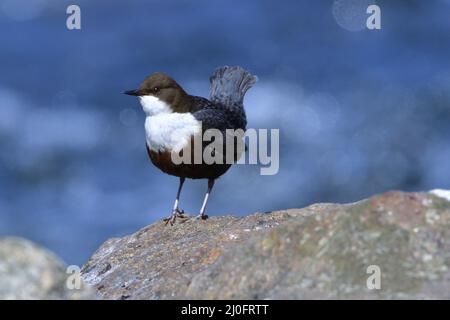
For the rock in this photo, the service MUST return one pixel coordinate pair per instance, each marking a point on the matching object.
(324, 251)
(441, 193)
(28, 271)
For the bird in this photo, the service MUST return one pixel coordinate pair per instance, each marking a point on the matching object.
(175, 118)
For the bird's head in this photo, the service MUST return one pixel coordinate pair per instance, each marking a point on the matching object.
(159, 93)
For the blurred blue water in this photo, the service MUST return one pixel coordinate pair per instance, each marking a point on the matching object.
(359, 112)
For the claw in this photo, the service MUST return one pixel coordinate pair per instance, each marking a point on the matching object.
(202, 216)
(177, 213)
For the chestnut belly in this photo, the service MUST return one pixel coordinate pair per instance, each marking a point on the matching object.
(163, 161)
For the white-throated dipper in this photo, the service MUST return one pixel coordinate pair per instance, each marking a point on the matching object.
(174, 118)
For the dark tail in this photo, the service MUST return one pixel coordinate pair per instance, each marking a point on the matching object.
(229, 85)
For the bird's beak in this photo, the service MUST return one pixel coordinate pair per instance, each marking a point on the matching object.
(132, 92)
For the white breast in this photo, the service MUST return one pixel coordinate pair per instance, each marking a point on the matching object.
(166, 130)
(170, 131)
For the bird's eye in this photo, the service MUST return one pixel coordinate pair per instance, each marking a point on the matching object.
(155, 89)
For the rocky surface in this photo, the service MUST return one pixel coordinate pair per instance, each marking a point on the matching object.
(28, 271)
(319, 252)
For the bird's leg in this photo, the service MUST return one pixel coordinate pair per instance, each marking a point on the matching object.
(202, 214)
(176, 212)
(177, 200)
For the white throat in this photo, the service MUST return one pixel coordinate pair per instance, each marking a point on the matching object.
(166, 130)
(153, 106)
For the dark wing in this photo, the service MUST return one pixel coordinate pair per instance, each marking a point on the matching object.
(200, 103)
(213, 118)
(215, 115)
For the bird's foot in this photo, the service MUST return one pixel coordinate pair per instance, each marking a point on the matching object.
(202, 216)
(177, 213)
